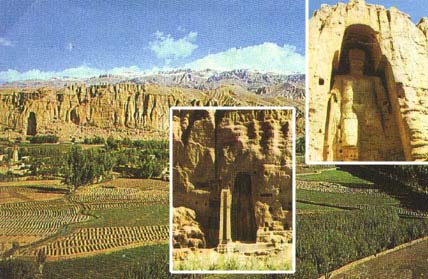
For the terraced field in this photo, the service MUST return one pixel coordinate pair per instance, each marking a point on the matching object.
(408, 262)
(97, 197)
(28, 215)
(29, 192)
(94, 219)
(89, 240)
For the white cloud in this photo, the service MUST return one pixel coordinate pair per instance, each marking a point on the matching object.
(167, 48)
(5, 42)
(266, 57)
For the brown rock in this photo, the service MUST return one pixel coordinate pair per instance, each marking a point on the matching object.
(248, 152)
(186, 230)
(392, 116)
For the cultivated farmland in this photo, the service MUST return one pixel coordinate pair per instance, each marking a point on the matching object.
(69, 224)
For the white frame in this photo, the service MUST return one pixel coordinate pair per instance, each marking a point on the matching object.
(307, 161)
(293, 185)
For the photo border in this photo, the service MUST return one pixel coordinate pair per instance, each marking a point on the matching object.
(307, 126)
(293, 186)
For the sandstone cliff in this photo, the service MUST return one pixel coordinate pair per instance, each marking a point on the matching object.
(397, 51)
(124, 109)
(249, 152)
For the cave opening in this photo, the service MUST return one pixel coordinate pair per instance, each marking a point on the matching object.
(74, 117)
(244, 227)
(32, 124)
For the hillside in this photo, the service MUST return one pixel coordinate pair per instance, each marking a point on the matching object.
(137, 107)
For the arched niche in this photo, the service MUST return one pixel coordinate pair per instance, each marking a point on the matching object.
(377, 68)
(243, 221)
(31, 124)
(74, 117)
(362, 37)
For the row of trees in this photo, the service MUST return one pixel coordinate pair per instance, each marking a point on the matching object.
(113, 143)
(43, 139)
(139, 159)
(83, 167)
(145, 163)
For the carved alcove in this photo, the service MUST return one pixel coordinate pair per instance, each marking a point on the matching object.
(243, 216)
(374, 102)
(31, 124)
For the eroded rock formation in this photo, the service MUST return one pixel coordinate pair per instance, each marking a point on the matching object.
(380, 113)
(186, 230)
(77, 111)
(246, 151)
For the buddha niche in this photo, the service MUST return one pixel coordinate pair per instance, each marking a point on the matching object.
(356, 113)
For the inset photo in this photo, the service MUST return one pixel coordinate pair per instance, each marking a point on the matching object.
(232, 190)
(367, 88)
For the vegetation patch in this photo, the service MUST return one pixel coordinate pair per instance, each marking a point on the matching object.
(112, 265)
(343, 237)
(334, 176)
(148, 215)
(349, 199)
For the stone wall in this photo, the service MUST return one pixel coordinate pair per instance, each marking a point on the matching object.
(397, 52)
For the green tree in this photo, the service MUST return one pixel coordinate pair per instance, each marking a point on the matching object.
(300, 145)
(82, 167)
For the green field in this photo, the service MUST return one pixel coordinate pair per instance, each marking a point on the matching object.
(302, 168)
(335, 176)
(113, 265)
(313, 208)
(345, 199)
(409, 262)
(148, 215)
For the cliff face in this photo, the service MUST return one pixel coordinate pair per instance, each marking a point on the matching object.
(248, 152)
(125, 108)
(397, 54)
(123, 105)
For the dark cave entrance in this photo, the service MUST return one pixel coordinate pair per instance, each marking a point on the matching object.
(31, 124)
(74, 117)
(243, 216)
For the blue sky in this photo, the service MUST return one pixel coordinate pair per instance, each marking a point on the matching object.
(42, 38)
(415, 8)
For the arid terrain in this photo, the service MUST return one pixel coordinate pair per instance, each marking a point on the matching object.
(84, 166)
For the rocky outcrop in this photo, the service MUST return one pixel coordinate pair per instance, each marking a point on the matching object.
(103, 106)
(397, 55)
(186, 231)
(247, 151)
(78, 111)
